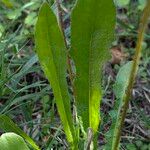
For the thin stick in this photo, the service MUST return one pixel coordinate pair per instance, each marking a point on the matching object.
(123, 112)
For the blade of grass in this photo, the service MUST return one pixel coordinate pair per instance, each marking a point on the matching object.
(18, 99)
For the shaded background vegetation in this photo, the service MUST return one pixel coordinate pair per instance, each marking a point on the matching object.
(26, 96)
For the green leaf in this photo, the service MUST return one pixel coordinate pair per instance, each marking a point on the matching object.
(14, 14)
(142, 4)
(12, 141)
(2, 29)
(92, 32)
(121, 3)
(120, 86)
(133, 147)
(7, 3)
(7, 125)
(122, 80)
(31, 19)
(52, 55)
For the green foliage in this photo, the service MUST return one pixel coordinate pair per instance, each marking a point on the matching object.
(7, 125)
(7, 3)
(121, 3)
(12, 141)
(31, 19)
(122, 81)
(90, 42)
(25, 94)
(127, 92)
(120, 87)
(91, 36)
(52, 54)
(131, 147)
(142, 4)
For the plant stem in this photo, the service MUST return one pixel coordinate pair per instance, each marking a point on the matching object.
(124, 108)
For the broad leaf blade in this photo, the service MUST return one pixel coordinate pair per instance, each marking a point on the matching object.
(92, 32)
(12, 141)
(7, 125)
(52, 55)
